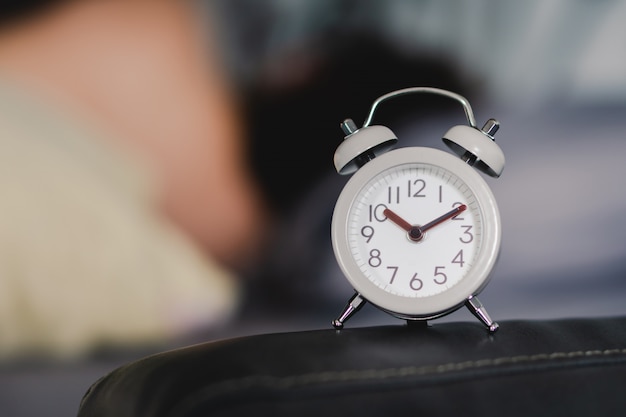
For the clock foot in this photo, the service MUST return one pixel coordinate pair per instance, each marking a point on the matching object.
(478, 310)
(417, 324)
(354, 305)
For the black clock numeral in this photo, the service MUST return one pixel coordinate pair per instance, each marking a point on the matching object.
(416, 283)
(440, 276)
(458, 259)
(393, 274)
(415, 188)
(367, 232)
(375, 261)
(393, 195)
(457, 217)
(467, 235)
(376, 213)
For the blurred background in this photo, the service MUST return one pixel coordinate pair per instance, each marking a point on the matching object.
(167, 177)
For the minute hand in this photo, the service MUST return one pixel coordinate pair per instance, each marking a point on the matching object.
(455, 211)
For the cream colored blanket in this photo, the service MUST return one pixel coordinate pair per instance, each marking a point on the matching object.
(85, 257)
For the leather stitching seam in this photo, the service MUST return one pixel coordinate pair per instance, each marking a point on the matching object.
(286, 382)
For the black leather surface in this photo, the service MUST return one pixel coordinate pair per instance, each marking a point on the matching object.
(538, 368)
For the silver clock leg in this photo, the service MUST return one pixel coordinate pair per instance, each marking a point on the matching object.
(478, 310)
(354, 304)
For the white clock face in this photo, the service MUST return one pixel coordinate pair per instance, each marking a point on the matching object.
(416, 232)
(412, 262)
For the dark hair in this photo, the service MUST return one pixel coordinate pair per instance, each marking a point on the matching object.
(12, 10)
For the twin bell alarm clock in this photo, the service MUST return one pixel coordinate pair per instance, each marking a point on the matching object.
(416, 231)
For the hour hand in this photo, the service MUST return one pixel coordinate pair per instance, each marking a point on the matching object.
(415, 233)
(391, 215)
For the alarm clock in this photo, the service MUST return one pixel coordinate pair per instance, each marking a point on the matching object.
(416, 231)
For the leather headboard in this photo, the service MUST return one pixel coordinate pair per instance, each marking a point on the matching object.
(528, 368)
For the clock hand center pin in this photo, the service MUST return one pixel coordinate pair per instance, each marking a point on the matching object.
(415, 233)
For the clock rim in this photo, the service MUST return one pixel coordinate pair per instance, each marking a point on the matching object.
(451, 299)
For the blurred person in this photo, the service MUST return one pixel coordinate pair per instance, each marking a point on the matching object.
(135, 93)
(126, 207)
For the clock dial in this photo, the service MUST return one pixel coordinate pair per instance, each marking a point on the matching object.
(414, 230)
